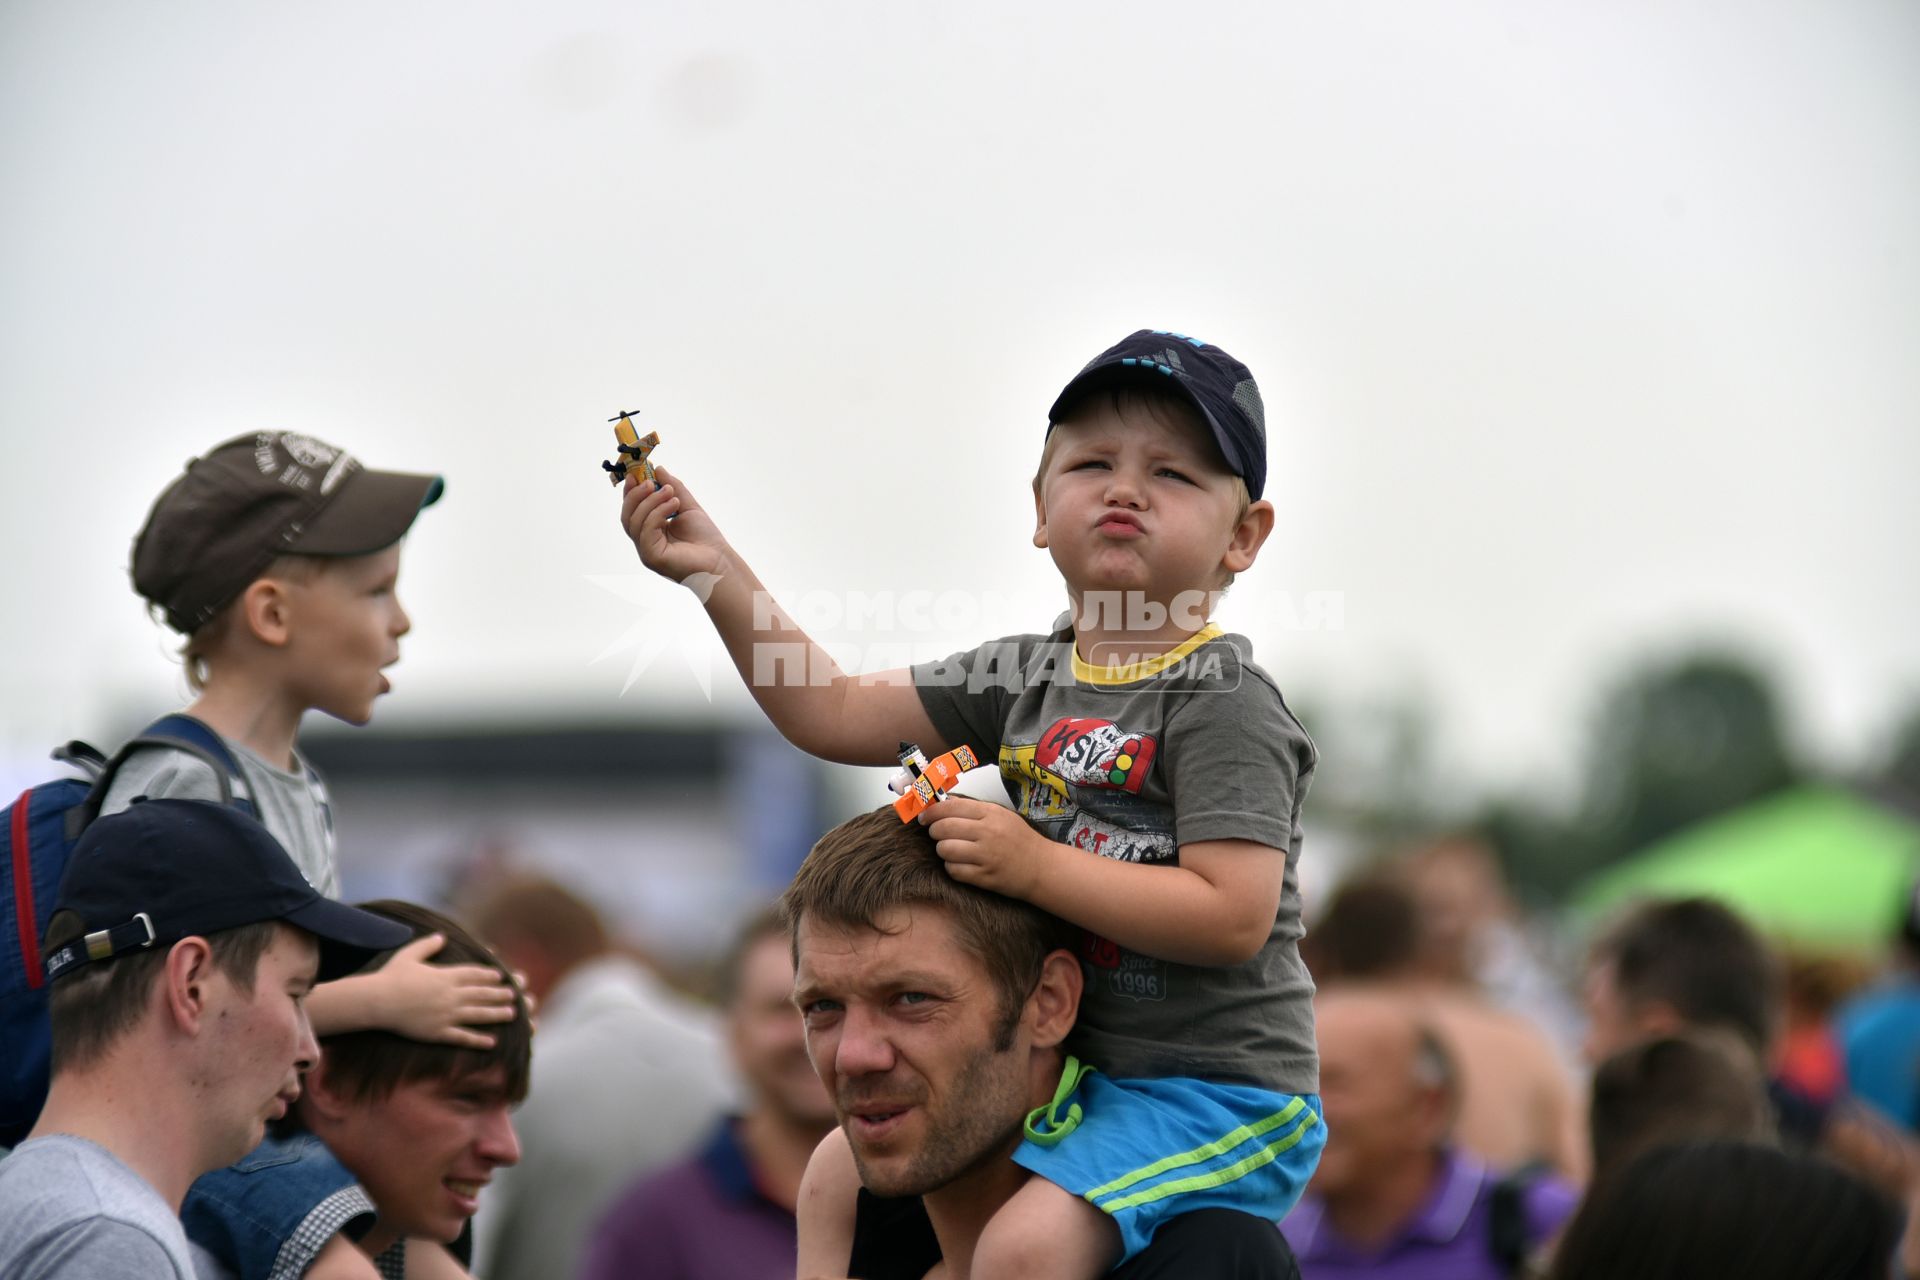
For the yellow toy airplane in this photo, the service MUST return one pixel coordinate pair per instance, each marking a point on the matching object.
(919, 784)
(633, 447)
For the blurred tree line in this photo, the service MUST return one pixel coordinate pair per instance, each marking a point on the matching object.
(1673, 740)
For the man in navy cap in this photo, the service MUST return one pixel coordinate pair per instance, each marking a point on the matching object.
(181, 950)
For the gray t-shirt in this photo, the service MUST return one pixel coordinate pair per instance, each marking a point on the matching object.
(1130, 764)
(293, 806)
(69, 1210)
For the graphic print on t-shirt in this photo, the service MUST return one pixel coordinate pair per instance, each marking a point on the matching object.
(1087, 752)
(1081, 784)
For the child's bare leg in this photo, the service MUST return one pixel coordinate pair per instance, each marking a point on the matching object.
(829, 1202)
(1045, 1233)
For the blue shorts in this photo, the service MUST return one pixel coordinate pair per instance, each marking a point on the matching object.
(1144, 1151)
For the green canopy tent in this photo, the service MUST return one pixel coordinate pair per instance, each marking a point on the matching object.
(1813, 866)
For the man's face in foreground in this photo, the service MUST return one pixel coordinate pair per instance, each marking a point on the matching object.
(902, 1026)
(259, 1041)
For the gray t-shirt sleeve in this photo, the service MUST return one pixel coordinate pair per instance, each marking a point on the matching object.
(161, 773)
(1237, 763)
(100, 1249)
(967, 694)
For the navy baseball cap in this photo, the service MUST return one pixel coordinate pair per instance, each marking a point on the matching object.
(1219, 386)
(163, 870)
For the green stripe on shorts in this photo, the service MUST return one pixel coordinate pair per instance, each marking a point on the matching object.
(1201, 1154)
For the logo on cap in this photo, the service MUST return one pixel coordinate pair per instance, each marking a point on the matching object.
(306, 455)
(307, 451)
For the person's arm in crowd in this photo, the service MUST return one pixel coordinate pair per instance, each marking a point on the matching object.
(407, 995)
(829, 1202)
(848, 719)
(427, 1260)
(341, 1259)
(1858, 1139)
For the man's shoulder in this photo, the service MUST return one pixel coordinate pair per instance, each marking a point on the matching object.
(72, 1173)
(1214, 1244)
(895, 1238)
(660, 1194)
(89, 1247)
(69, 1207)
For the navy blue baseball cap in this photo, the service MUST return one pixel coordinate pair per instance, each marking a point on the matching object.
(1219, 386)
(162, 870)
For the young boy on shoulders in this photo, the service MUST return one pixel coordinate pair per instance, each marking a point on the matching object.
(1139, 733)
(277, 556)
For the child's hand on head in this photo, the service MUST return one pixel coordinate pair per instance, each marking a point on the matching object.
(678, 549)
(987, 845)
(440, 1003)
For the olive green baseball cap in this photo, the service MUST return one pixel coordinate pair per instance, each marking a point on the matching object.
(255, 498)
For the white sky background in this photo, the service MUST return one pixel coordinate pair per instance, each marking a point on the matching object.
(1583, 329)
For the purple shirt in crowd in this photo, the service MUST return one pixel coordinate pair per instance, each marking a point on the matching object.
(1450, 1238)
(701, 1219)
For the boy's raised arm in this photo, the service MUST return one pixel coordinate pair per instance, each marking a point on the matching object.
(441, 1004)
(849, 719)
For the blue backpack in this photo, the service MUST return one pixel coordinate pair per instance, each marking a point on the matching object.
(37, 835)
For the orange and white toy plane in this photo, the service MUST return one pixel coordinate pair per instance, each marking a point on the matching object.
(920, 784)
(633, 449)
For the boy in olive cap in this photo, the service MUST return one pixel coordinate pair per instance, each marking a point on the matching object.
(1157, 777)
(277, 556)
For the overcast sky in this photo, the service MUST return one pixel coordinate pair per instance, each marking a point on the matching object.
(1584, 329)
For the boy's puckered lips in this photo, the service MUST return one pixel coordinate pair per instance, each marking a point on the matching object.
(258, 497)
(1220, 387)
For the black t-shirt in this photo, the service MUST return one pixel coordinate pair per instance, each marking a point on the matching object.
(893, 1240)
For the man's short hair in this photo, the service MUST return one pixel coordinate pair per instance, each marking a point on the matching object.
(94, 1005)
(544, 913)
(768, 922)
(366, 1066)
(875, 863)
(1369, 929)
(1702, 960)
(1702, 1084)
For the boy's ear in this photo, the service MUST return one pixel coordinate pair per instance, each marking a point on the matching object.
(266, 606)
(323, 1099)
(1248, 535)
(1039, 516)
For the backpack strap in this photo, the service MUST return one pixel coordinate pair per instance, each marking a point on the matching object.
(82, 756)
(176, 732)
